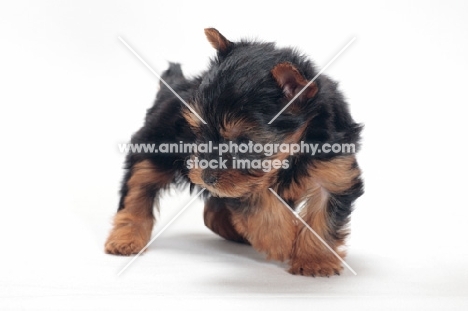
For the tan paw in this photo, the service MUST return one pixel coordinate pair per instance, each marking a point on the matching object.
(324, 267)
(123, 244)
(129, 235)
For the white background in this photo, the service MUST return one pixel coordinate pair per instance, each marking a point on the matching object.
(70, 92)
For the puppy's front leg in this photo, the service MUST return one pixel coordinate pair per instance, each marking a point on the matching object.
(267, 225)
(333, 186)
(134, 220)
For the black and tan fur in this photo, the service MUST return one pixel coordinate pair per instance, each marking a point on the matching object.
(245, 86)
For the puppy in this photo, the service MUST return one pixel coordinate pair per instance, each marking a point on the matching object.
(236, 101)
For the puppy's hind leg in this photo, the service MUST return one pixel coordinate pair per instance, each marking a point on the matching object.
(217, 218)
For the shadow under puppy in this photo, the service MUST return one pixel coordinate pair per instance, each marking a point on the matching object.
(246, 85)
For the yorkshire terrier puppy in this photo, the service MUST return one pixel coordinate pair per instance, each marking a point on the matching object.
(234, 102)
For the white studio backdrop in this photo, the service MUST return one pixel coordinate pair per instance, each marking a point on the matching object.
(71, 92)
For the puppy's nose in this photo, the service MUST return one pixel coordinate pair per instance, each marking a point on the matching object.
(209, 177)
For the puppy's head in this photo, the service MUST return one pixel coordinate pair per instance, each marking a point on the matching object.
(239, 100)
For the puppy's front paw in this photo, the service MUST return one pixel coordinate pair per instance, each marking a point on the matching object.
(123, 242)
(316, 266)
(129, 236)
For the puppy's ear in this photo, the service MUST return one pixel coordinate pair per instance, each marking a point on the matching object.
(292, 82)
(217, 40)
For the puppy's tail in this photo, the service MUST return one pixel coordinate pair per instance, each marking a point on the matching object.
(172, 75)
